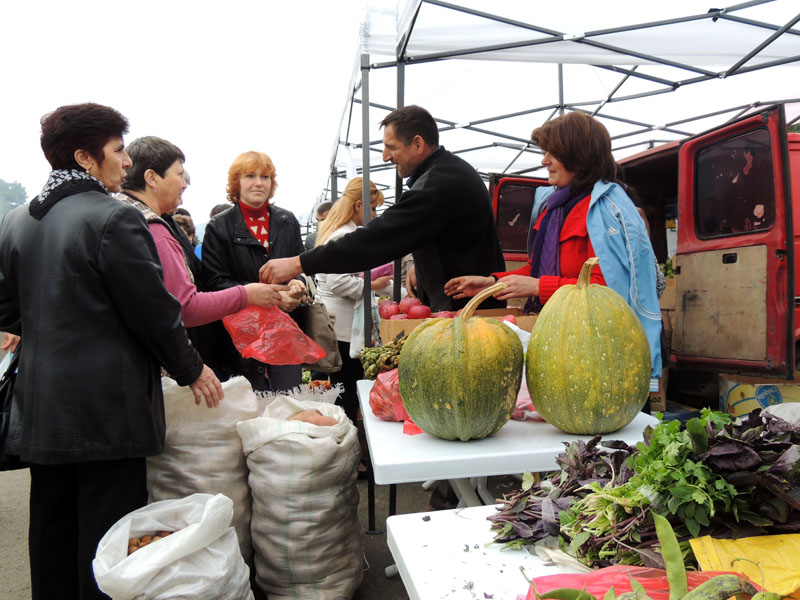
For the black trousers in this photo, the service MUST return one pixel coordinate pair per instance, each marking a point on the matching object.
(71, 508)
(349, 374)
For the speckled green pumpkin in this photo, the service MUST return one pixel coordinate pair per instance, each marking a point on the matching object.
(459, 378)
(588, 359)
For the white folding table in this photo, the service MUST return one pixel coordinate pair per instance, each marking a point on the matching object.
(518, 446)
(449, 554)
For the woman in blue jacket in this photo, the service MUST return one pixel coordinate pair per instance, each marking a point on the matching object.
(585, 213)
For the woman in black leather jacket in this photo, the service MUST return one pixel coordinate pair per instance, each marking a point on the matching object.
(80, 282)
(238, 241)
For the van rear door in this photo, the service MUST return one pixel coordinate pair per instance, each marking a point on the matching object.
(734, 273)
(512, 203)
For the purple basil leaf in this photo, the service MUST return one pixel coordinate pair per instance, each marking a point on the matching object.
(522, 529)
(788, 461)
(742, 478)
(732, 456)
(549, 517)
(776, 424)
(616, 444)
(650, 558)
(774, 509)
(792, 498)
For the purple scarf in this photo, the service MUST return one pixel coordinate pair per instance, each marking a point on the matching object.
(545, 251)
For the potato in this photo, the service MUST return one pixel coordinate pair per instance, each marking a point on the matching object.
(314, 417)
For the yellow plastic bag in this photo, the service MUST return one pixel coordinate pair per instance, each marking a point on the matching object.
(777, 555)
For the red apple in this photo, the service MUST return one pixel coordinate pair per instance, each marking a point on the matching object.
(398, 316)
(419, 311)
(388, 308)
(407, 303)
(443, 314)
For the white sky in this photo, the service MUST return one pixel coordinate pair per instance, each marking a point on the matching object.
(215, 78)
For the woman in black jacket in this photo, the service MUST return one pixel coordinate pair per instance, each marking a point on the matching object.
(237, 242)
(80, 282)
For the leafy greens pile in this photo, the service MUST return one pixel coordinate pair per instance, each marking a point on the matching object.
(711, 477)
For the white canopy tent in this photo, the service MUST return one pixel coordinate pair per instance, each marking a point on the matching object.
(651, 74)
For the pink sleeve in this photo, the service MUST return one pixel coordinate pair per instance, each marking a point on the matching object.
(197, 308)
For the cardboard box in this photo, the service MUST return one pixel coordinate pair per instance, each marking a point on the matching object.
(391, 329)
(658, 400)
(738, 395)
(667, 300)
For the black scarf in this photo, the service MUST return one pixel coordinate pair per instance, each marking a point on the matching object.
(60, 184)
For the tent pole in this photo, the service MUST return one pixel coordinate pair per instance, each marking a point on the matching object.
(398, 182)
(560, 89)
(367, 297)
(334, 185)
(365, 196)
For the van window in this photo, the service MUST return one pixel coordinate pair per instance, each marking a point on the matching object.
(734, 188)
(514, 204)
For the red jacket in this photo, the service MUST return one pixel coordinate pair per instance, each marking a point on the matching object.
(574, 248)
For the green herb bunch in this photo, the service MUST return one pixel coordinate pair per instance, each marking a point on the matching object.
(711, 477)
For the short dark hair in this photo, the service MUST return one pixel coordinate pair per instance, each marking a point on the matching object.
(324, 207)
(185, 222)
(410, 121)
(218, 208)
(86, 126)
(150, 152)
(582, 144)
(182, 211)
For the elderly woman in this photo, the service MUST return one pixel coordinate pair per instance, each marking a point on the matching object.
(153, 186)
(80, 282)
(237, 242)
(583, 205)
(340, 293)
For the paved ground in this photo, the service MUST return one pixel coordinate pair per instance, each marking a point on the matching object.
(15, 575)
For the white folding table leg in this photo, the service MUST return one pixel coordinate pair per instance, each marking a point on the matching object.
(465, 492)
(480, 485)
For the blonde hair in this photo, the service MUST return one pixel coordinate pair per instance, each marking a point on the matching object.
(249, 162)
(342, 210)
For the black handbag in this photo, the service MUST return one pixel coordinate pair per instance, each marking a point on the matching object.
(8, 463)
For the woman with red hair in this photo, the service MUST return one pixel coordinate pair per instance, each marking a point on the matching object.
(239, 241)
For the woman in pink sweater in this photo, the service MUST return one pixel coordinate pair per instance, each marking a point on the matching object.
(154, 185)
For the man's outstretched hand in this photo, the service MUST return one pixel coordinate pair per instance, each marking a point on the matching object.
(280, 270)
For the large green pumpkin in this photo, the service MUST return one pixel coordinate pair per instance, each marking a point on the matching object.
(459, 378)
(588, 359)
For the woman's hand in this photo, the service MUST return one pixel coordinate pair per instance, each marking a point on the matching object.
(381, 282)
(290, 299)
(297, 289)
(467, 285)
(264, 294)
(10, 342)
(519, 286)
(411, 283)
(207, 387)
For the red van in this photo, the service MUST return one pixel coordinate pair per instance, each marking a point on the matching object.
(718, 204)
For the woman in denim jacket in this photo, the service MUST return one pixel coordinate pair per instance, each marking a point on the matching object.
(586, 213)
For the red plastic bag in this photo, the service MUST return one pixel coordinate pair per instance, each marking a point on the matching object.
(271, 336)
(384, 397)
(600, 581)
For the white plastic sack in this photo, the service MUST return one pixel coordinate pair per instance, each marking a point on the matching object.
(203, 452)
(201, 560)
(305, 527)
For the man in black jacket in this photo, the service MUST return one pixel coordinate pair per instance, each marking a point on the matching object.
(445, 220)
